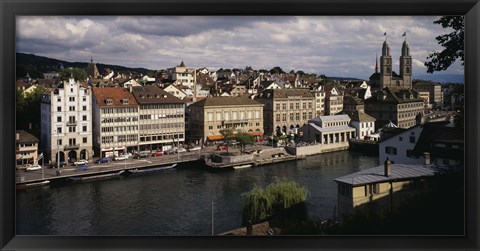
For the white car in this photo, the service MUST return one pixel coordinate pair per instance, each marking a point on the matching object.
(121, 157)
(80, 162)
(33, 167)
(180, 150)
(197, 148)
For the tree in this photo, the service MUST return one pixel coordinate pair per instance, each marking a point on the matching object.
(78, 74)
(260, 204)
(276, 70)
(452, 43)
(227, 133)
(244, 138)
(28, 109)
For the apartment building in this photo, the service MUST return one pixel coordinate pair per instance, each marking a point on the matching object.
(319, 94)
(212, 114)
(286, 109)
(182, 75)
(66, 126)
(434, 90)
(115, 121)
(26, 148)
(161, 118)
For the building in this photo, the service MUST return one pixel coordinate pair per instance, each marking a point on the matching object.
(331, 130)
(387, 77)
(212, 114)
(286, 109)
(434, 90)
(319, 94)
(381, 189)
(115, 121)
(403, 107)
(333, 100)
(92, 70)
(182, 75)
(399, 148)
(363, 123)
(26, 148)
(161, 118)
(66, 126)
(175, 91)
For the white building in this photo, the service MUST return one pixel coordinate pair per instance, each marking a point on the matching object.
(319, 100)
(399, 148)
(183, 75)
(326, 130)
(175, 91)
(115, 121)
(66, 125)
(363, 123)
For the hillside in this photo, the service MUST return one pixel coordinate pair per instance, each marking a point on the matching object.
(36, 65)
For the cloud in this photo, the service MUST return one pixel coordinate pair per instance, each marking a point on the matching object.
(331, 45)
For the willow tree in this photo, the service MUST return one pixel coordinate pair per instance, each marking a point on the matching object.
(260, 204)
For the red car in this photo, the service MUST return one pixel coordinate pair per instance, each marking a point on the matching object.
(157, 153)
(222, 147)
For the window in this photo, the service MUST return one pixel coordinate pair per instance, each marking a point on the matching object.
(71, 89)
(304, 105)
(71, 108)
(391, 150)
(84, 128)
(59, 119)
(59, 142)
(291, 106)
(71, 99)
(59, 108)
(84, 140)
(59, 99)
(84, 108)
(59, 129)
(284, 117)
(410, 153)
(277, 117)
(210, 127)
(291, 116)
(71, 129)
(400, 138)
(412, 139)
(84, 98)
(284, 106)
(277, 107)
(210, 116)
(84, 117)
(297, 106)
(297, 116)
(371, 189)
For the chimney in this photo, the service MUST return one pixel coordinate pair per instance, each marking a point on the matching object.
(17, 136)
(387, 166)
(427, 158)
(130, 88)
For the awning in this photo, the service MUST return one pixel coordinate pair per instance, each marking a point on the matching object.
(256, 133)
(215, 137)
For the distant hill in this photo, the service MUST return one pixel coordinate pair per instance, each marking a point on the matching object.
(442, 78)
(36, 65)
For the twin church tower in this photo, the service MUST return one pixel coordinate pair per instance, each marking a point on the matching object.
(388, 78)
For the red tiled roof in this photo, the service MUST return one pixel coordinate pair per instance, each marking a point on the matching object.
(114, 93)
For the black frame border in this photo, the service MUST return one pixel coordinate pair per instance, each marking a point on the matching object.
(11, 8)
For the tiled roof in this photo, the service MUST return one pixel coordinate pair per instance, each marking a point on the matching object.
(360, 116)
(154, 95)
(331, 118)
(25, 137)
(114, 93)
(353, 100)
(438, 133)
(226, 101)
(395, 95)
(397, 172)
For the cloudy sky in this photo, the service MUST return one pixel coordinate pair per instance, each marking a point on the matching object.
(334, 46)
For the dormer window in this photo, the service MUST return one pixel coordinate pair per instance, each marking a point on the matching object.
(109, 101)
(125, 101)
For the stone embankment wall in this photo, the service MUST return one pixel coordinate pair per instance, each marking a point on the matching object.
(316, 149)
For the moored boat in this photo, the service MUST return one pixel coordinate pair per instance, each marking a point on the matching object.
(149, 170)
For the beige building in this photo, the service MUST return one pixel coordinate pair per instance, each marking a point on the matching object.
(212, 114)
(319, 94)
(161, 118)
(115, 121)
(286, 109)
(403, 107)
(182, 75)
(333, 100)
(26, 148)
(434, 91)
(381, 189)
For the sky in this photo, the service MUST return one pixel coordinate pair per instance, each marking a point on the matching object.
(340, 46)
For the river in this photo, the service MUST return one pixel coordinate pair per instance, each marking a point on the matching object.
(178, 201)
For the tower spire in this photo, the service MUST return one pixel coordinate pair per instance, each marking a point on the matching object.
(376, 63)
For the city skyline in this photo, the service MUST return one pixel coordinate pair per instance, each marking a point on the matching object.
(334, 46)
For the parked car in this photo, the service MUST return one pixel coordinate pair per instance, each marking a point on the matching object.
(222, 147)
(104, 160)
(82, 168)
(128, 155)
(143, 154)
(33, 167)
(157, 153)
(121, 157)
(170, 151)
(196, 148)
(180, 150)
(80, 162)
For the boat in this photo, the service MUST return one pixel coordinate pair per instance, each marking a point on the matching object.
(32, 184)
(150, 170)
(242, 166)
(96, 176)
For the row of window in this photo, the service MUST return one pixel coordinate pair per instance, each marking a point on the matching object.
(220, 116)
(73, 141)
(72, 129)
(297, 106)
(71, 99)
(119, 110)
(161, 126)
(71, 119)
(119, 119)
(119, 128)
(120, 139)
(160, 116)
(161, 107)
(161, 137)
(291, 116)
(71, 108)
(332, 124)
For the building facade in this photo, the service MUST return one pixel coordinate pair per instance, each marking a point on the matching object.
(115, 121)
(403, 107)
(333, 100)
(319, 94)
(286, 109)
(161, 118)
(434, 90)
(182, 75)
(328, 130)
(66, 127)
(212, 114)
(26, 148)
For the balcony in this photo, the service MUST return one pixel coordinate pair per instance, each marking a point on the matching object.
(71, 123)
(71, 147)
(235, 121)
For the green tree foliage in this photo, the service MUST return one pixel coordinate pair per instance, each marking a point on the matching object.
(453, 44)
(244, 139)
(276, 70)
(28, 109)
(78, 74)
(260, 204)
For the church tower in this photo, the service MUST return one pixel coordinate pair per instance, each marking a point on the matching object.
(385, 66)
(406, 66)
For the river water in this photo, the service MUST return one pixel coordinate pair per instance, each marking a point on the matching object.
(176, 202)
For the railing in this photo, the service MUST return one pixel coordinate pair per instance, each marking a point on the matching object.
(70, 147)
(71, 123)
(236, 121)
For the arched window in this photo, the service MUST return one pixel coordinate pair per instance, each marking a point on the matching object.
(407, 70)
